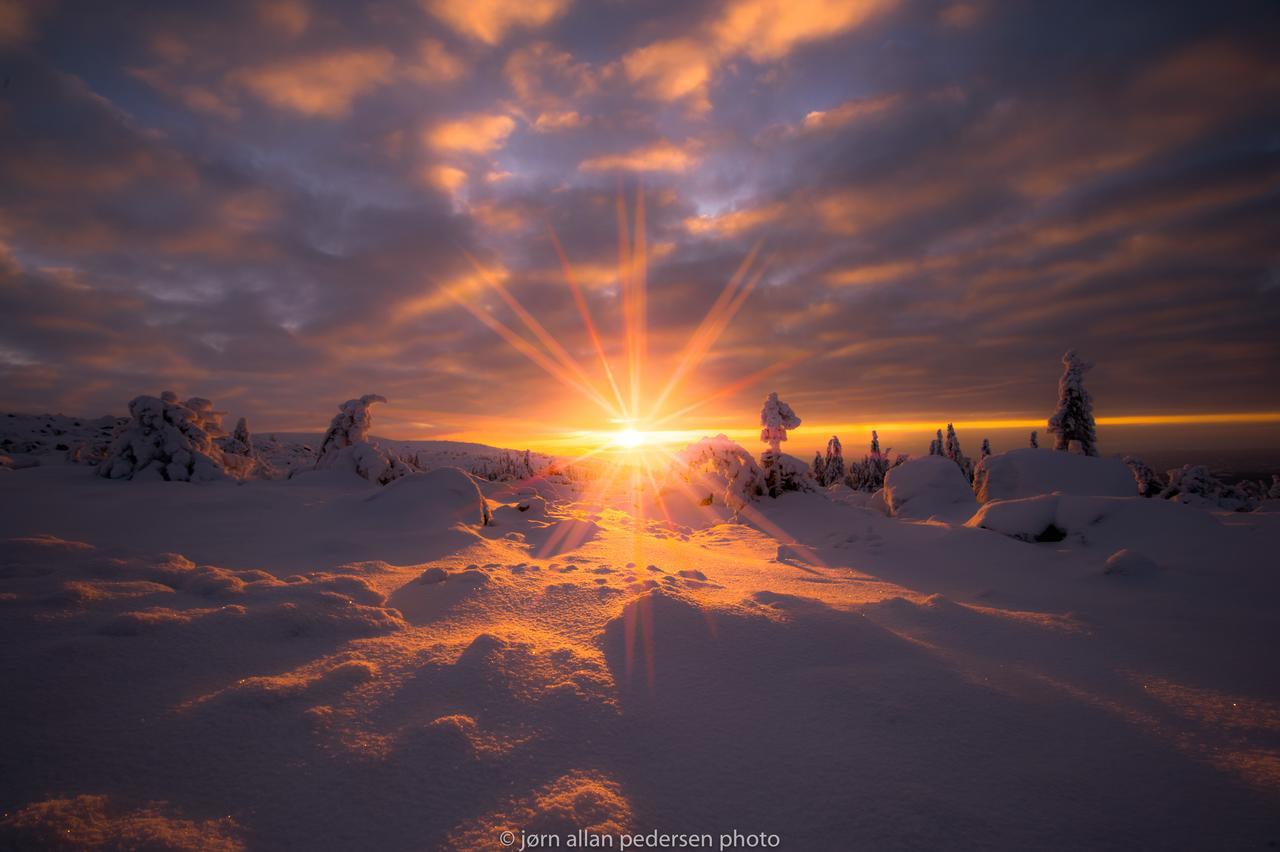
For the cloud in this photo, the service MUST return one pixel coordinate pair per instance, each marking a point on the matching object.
(673, 70)
(549, 122)
(475, 134)
(436, 64)
(488, 21)
(848, 112)
(323, 85)
(544, 77)
(766, 30)
(659, 157)
(288, 17)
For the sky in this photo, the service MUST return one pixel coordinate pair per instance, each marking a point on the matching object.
(282, 204)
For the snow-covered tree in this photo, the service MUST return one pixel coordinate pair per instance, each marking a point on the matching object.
(346, 444)
(819, 468)
(868, 474)
(724, 469)
(952, 451)
(986, 448)
(1073, 421)
(166, 439)
(1035, 440)
(1148, 482)
(1196, 484)
(935, 446)
(776, 417)
(1274, 492)
(238, 451)
(833, 463)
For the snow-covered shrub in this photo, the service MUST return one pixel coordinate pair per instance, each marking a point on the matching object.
(1148, 482)
(929, 487)
(1195, 484)
(1274, 492)
(505, 467)
(1073, 421)
(721, 468)
(1027, 473)
(784, 473)
(166, 439)
(346, 445)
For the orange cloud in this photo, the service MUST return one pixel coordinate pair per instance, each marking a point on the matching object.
(551, 121)
(734, 222)
(660, 157)
(448, 178)
(489, 20)
(543, 77)
(770, 29)
(193, 97)
(324, 85)
(847, 112)
(673, 70)
(476, 134)
(290, 17)
(436, 64)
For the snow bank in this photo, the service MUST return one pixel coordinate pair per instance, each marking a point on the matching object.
(436, 498)
(346, 445)
(1028, 472)
(1117, 521)
(167, 439)
(929, 487)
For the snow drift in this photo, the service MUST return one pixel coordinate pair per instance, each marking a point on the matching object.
(441, 497)
(1028, 472)
(929, 487)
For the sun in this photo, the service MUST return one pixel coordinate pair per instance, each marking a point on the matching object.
(630, 438)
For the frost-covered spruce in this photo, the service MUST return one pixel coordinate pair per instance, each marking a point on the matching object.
(346, 444)
(952, 451)
(1147, 480)
(986, 448)
(776, 417)
(1073, 421)
(166, 439)
(819, 469)
(238, 452)
(1035, 440)
(935, 446)
(833, 464)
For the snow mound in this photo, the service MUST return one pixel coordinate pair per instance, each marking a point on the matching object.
(436, 498)
(1100, 520)
(86, 822)
(1027, 473)
(346, 445)
(929, 487)
(167, 439)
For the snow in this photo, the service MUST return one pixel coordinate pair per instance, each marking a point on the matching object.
(1028, 472)
(929, 487)
(325, 663)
